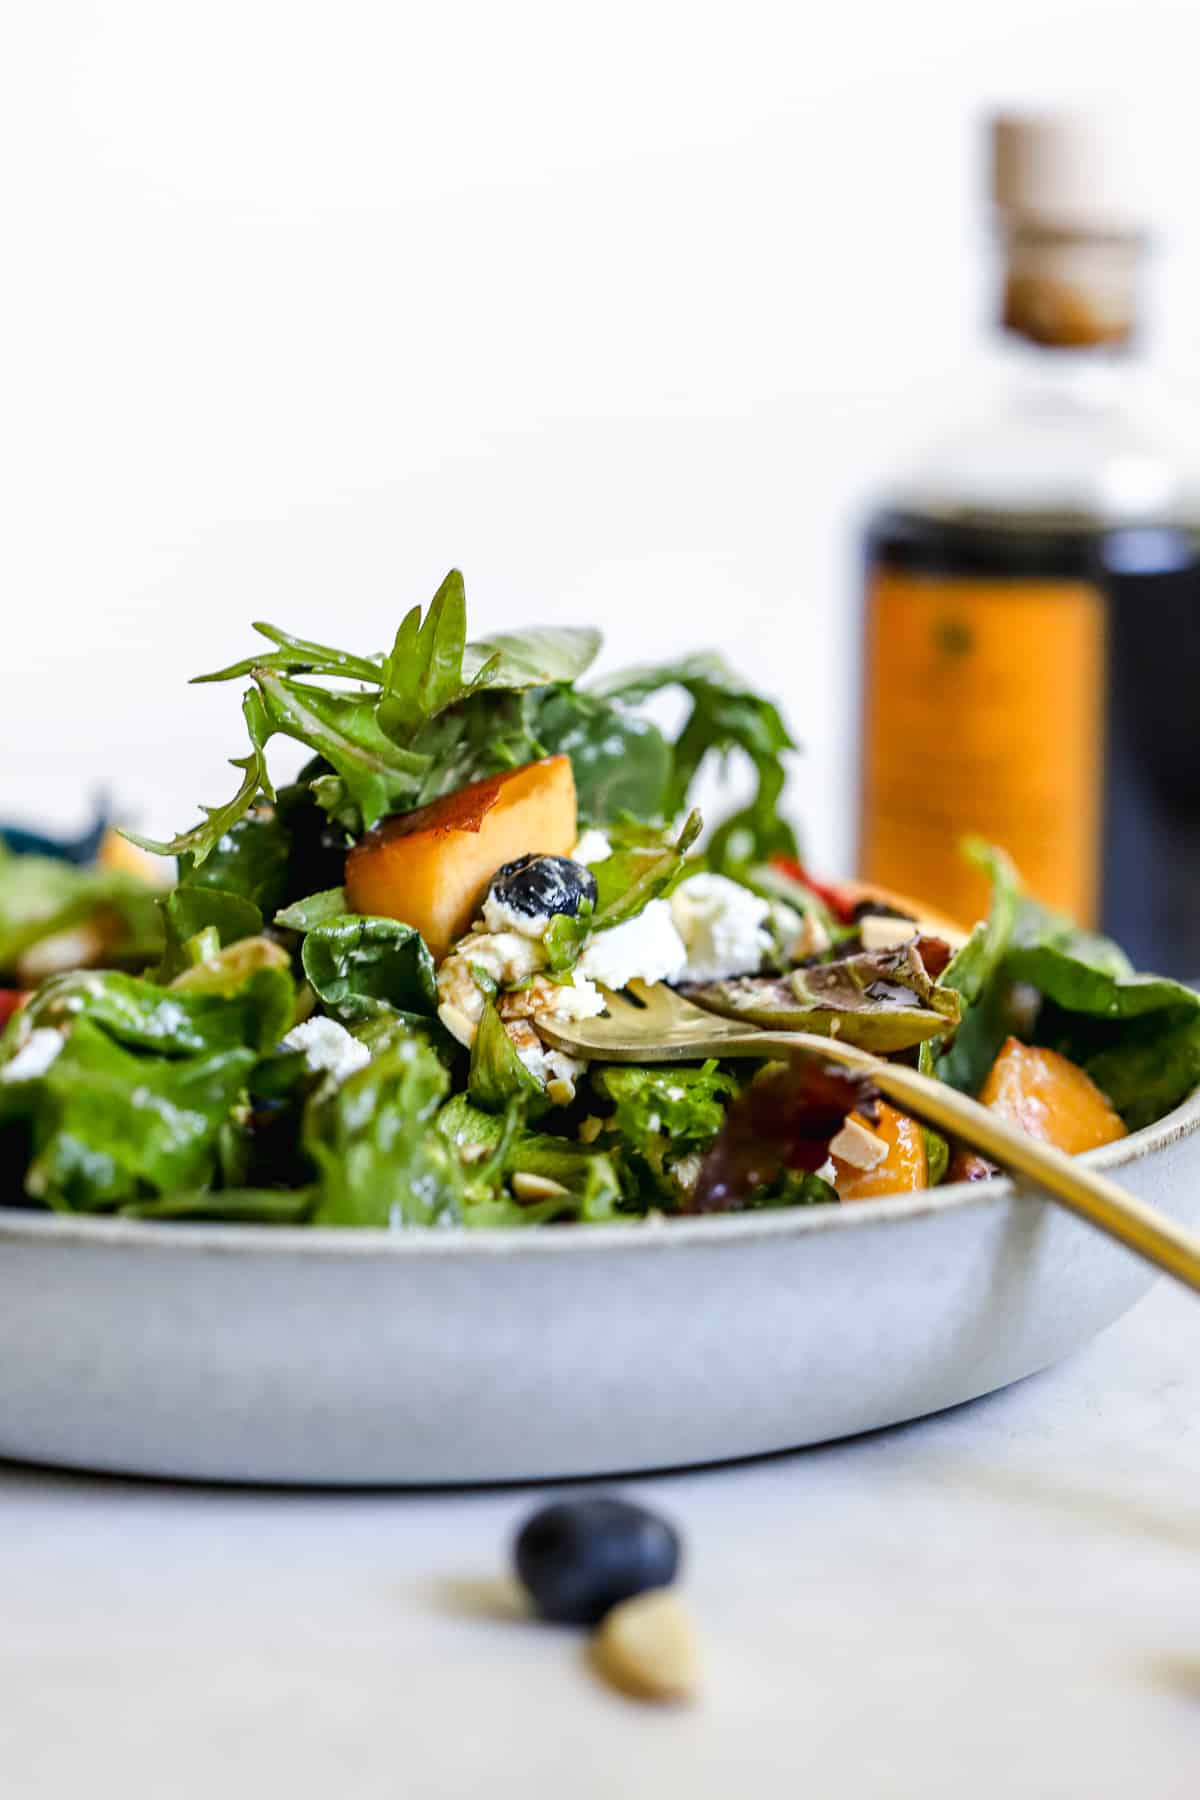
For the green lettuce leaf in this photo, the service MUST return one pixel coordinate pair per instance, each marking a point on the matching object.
(109, 1124)
(661, 1117)
(379, 1160)
(141, 1016)
(588, 1176)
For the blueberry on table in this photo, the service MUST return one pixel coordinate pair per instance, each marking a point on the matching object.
(580, 1558)
(538, 886)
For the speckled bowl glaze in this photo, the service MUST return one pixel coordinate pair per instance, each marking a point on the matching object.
(239, 1353)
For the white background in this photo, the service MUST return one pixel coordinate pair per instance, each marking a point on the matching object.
(624, 309)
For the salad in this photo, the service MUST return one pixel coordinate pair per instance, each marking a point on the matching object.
(65, 903)
(336, 1015)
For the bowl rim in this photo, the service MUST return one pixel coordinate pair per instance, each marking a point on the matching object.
(19, 1226)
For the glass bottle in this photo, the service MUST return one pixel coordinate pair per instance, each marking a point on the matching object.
(1032, 613)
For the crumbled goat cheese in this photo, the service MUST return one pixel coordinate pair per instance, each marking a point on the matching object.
(593, 847)
(647, 948)
(881, 933)
(328, 1048)
(722, 926)
(575, 999)
(504, 957)
(499, 916)
(686, 1172)
(858, 1146)
(35, 1055)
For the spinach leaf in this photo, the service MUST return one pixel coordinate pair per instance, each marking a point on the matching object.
(975, 973)
(109, 1123)
(498, 1076)
(622, 764)
(1151, 1068)
(188, 911)
(1084, 973)
(250, 860)
(372, 1141)
(316, 909)
(361, 966)
(541, 656)
(165, 1020)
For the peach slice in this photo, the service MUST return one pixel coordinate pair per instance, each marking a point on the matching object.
(1050, 1098)
(430, 868)
(901, 1171)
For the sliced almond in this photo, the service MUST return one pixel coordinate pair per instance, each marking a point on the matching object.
(457, 1023)
(537, 1187)
(855, 1145)
(880, 933)
(648, 1647)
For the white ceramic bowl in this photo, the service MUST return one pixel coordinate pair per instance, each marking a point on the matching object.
(243, 1353)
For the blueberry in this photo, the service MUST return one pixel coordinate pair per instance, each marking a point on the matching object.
(540, 885)
(580, 1558)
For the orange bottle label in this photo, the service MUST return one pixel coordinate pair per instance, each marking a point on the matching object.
(983, 713)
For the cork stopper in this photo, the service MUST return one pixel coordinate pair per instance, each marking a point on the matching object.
(1070, 196)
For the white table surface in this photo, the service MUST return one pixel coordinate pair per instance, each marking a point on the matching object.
(1001, 1600)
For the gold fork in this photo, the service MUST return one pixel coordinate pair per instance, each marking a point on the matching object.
(657, 1025)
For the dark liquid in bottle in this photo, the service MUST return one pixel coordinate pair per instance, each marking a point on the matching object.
(1149, 577)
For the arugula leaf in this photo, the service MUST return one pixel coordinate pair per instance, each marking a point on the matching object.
(424, 673)
(316, 909)
(372, 1141)
(725, 716)
(200, 842)
(498, 1076)
(343, 729)
(298, 656)
(109, 1123)
(362, 966)
(627, 881)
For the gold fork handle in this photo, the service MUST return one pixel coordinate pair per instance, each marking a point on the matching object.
(1141, 1228)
